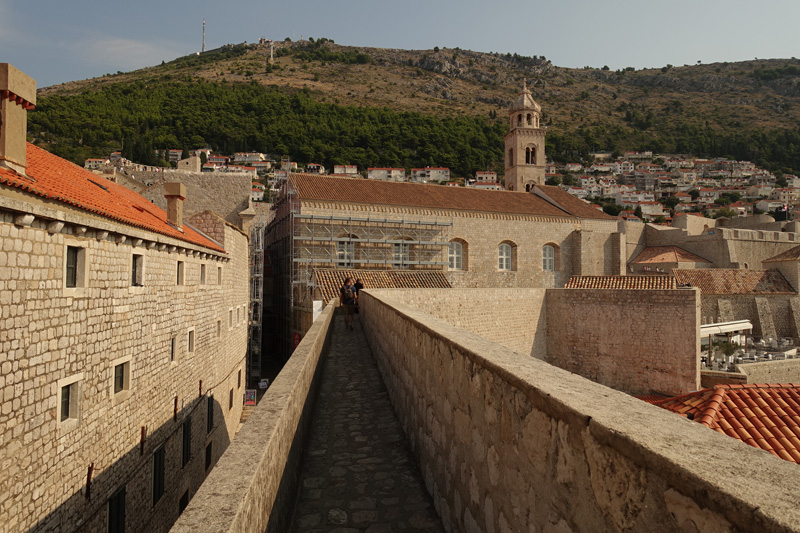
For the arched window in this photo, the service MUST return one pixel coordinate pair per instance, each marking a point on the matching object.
(345, 251)
(505, 256)
(530, 123)
(510, 157)
(548, 258)
(519, 119)
(530, 155)
(457, 255)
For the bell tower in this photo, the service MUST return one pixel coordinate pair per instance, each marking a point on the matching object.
(525, 159)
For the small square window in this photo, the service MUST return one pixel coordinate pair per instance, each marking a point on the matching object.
(137, 270)
(122, 377)
(180, 279)
(191, 341)
(203, 274)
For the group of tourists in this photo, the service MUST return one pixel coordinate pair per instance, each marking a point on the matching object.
(349, 299)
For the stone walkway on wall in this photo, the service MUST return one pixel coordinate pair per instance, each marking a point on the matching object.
(359, 474)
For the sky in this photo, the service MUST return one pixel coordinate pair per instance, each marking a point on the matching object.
(56, 41)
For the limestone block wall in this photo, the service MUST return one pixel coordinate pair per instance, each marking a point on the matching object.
(775, 316)
(514, 444)
(253, 487)
(637, 341)
(514, 318)
(52, 336)
(225, 193)
(786, 371)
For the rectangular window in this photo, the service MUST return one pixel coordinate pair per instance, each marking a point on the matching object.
(210, 414)
(203, 274)
(239, 379)
(116, 512)
(158, 474)
(122, 377)
(345, 254)
(137, 270)
(400, 255)
(186, 450)
(191, 341)
(219, 275)
(183, 503)
(180, 273)
(219, 328)
(230, 400)
(172, 343)
(230, 318)
(238, 315)
(72, 266)
(209, 455)
(65, 402)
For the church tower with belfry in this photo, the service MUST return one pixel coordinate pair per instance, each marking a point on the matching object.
(525, 159)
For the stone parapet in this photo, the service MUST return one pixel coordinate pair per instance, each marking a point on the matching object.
(253, 486)
(510, 443)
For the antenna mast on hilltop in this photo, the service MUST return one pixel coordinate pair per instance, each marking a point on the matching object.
(204, 35)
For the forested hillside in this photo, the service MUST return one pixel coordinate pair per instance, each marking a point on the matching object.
(325, 103)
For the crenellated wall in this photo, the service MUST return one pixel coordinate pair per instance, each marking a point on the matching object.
(510, 443)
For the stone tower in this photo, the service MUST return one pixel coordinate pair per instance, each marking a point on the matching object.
(525, 160)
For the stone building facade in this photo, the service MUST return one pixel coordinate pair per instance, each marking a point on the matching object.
(478, 238)
(122, 348)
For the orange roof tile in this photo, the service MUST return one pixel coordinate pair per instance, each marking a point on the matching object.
(316, 187)
(763, 416)
(666, 254)
(51, 177)
(330, 280)
(734, 281)
(621, 282)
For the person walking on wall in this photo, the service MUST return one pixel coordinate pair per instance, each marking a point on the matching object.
(358, 286)
(348, 298)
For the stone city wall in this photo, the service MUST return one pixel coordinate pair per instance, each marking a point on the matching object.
(637, 341)
(771, 315)
(53, 337)
(786, 371)
(514, 318)
(513, 444)
(253, 487)
(225, 193)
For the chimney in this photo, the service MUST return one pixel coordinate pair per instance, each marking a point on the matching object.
(17, 97)
(175, 193)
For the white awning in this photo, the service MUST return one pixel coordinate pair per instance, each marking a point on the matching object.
(725, 327)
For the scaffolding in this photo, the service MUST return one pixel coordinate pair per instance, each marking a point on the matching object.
(302, 241)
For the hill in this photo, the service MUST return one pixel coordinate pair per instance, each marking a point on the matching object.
(328, 103)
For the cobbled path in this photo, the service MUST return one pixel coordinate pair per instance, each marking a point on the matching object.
(359, 474)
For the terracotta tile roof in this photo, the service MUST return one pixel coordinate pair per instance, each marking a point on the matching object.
(621, 282)
(316, 187)
(330, 280)
(666, 254)
(793, 254)
(572, 205)
(763, 416)
(734, 281)
(49, 176)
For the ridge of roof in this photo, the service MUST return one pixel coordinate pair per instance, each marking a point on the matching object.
(667, 254)
(51, 177)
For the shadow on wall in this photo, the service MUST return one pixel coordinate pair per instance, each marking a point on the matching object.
(124, 492)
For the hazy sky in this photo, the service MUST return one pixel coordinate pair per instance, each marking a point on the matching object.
(56, 40)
